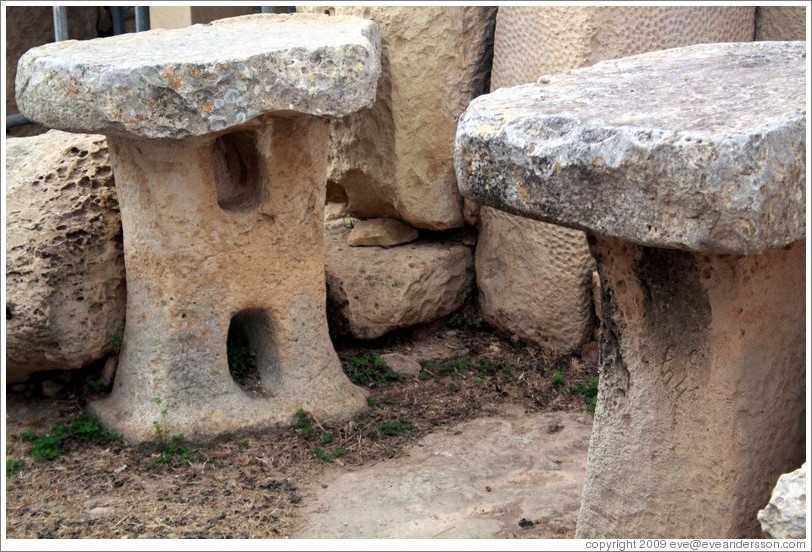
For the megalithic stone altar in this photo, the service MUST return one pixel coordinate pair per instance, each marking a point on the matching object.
(687, 167)
(218, 137)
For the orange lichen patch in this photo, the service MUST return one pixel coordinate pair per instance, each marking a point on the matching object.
(206, 107)
(196, 73)
(72, 91)
(174, 79)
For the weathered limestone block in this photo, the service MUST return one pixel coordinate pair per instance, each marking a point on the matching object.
(535, 284)
(525, 286)
(65, 292)
(224, 81)
(697, 203)
(382, 232)
(785, 515)
(590, 155)
(374, 290)
(223, 215)
(781, 23)
(395, 160)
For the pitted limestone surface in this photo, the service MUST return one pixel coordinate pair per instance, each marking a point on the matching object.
(653, 148)
(567, 37)
(204, 78)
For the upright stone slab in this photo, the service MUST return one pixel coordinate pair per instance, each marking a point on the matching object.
(694, 193)
(218, 140)
(781, 22)
(396, 160)
(534, 277)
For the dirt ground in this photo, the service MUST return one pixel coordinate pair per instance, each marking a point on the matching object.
(256, 485)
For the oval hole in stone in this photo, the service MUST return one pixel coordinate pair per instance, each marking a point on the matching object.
(252, 357)
(238, 171)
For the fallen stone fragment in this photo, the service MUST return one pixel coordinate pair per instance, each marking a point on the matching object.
(401, 364)
(785, 515)
(383, 232)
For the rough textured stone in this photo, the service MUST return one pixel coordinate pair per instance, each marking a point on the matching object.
(534, 41)
(223, 233)
(30, 26)
(699, 402)
(372, 290)
(383, 232)
(785, 515)
(65, 292)
(781, 23)
(708, 171)
(534, 283)
(395, 160)
(525, 285)
(204, 78)
(401, 364)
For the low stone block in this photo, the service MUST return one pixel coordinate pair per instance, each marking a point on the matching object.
(372, 290)
(534, 283)
(65, 290)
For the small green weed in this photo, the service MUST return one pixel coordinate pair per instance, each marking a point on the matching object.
(305, 424)
(116, 340)
(370, 369)
(159, 426)
(454, 320)
(372, 402)
(478, 381)
(558, 378)
(84, 429)
(507, 369)
(309, 428)
(393, 428)
(14, 466)
(326, 455)
(96, 385)
(589, 389)
(175, 449)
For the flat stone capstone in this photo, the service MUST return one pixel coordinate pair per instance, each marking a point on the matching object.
(202, 79)
(699, 148)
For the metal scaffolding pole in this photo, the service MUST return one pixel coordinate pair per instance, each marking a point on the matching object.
(141, 18)
(118, 19)
(60, 23)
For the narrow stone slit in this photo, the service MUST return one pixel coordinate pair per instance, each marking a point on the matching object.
(251, 352)
(239, 173)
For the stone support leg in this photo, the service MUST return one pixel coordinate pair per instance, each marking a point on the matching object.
(701, 399)
(222, 231)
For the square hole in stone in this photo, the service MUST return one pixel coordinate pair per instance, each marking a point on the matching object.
(239, 172)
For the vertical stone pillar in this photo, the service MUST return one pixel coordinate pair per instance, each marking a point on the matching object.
(220, 159)
(701, 394)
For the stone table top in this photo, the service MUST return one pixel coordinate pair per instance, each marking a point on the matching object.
(700, 148)
(202, 79)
